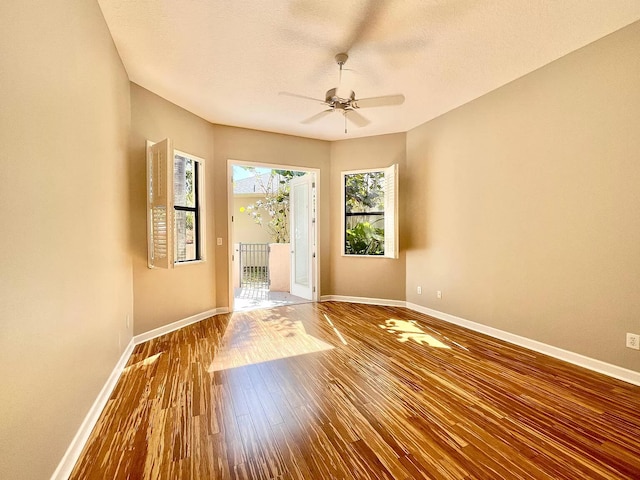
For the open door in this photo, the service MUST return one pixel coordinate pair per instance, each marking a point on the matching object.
(303, 242)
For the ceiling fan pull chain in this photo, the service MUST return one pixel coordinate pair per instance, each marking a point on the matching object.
(345, 122)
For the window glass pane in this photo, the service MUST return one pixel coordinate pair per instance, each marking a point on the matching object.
(365, 235)
(185, 237)
(364, 213)
(184, 182)
(301, 234)
(364, 192)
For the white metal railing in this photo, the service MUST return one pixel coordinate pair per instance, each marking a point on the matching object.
(254, 265)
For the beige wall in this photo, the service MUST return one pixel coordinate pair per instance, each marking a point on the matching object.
(165, 296)
(269, 148)
(65, 264)
(162, 297)
(361, 276)
(245, 228)
(524, 204)
(520, 207)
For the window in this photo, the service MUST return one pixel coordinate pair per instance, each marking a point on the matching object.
(370, 211)
(185, 205)
(175, 217)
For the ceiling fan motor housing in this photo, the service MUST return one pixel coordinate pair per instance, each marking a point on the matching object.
(334, 101)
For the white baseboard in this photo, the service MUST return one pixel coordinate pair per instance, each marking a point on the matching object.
(157, 332)
(614, 371)
(366, 300)
(74, 450)
(599, 366)
(65, 467)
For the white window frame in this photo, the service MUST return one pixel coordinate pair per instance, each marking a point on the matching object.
(391, 243)
(202, 247)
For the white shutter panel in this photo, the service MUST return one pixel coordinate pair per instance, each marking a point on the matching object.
(391, 211)
(160, 204)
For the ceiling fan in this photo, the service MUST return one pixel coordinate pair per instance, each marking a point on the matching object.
(349, 103)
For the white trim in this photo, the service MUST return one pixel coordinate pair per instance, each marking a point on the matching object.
(171, 327)
(583, 361)
(68, 461)
(148, 164)
(599, 366)
(188, 262)
(390, 213)
(317, 260)
(230, 240)
(202, 208)
(366, 300)
(201, 201)
(70, 458)
(307, 181)
(364, 170)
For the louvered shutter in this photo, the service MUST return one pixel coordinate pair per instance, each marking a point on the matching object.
(160, 204)
(391, 211)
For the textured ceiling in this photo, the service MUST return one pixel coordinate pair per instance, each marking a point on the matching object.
(226, 61)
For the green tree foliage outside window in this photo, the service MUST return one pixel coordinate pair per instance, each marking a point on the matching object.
(364, 213)
(190, 192)
(275, 202)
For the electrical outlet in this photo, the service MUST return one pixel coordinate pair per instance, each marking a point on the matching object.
(439, 294)
(419, 290)
(633, 341)
(219, 241)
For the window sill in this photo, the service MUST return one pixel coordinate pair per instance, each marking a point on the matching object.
(190, 262)
(349, 255)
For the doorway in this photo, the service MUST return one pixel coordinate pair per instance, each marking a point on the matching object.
(273, 238)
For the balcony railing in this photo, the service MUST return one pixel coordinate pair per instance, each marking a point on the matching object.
(254, 265)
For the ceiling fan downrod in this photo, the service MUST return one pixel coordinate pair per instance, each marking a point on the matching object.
(341, 59)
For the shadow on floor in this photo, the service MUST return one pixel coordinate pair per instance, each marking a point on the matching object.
(250, 298)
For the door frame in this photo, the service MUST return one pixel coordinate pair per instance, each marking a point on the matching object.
(316, 262)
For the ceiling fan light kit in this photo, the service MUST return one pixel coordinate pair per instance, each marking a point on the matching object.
(347, 105)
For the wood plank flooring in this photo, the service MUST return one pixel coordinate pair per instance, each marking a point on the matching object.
(407, 397)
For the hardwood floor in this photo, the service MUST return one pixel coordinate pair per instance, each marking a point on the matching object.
(407, 397)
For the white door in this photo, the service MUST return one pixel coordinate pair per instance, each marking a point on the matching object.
(301, 205)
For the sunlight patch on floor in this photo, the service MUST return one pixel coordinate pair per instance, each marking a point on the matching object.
(147, 361)
(406, 330)
(248, 298)
(251, 339)
(335, 329)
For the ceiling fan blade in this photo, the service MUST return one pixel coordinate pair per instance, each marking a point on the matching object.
(385, 101)
(317, 116)
(356, 118)
(295, 95)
